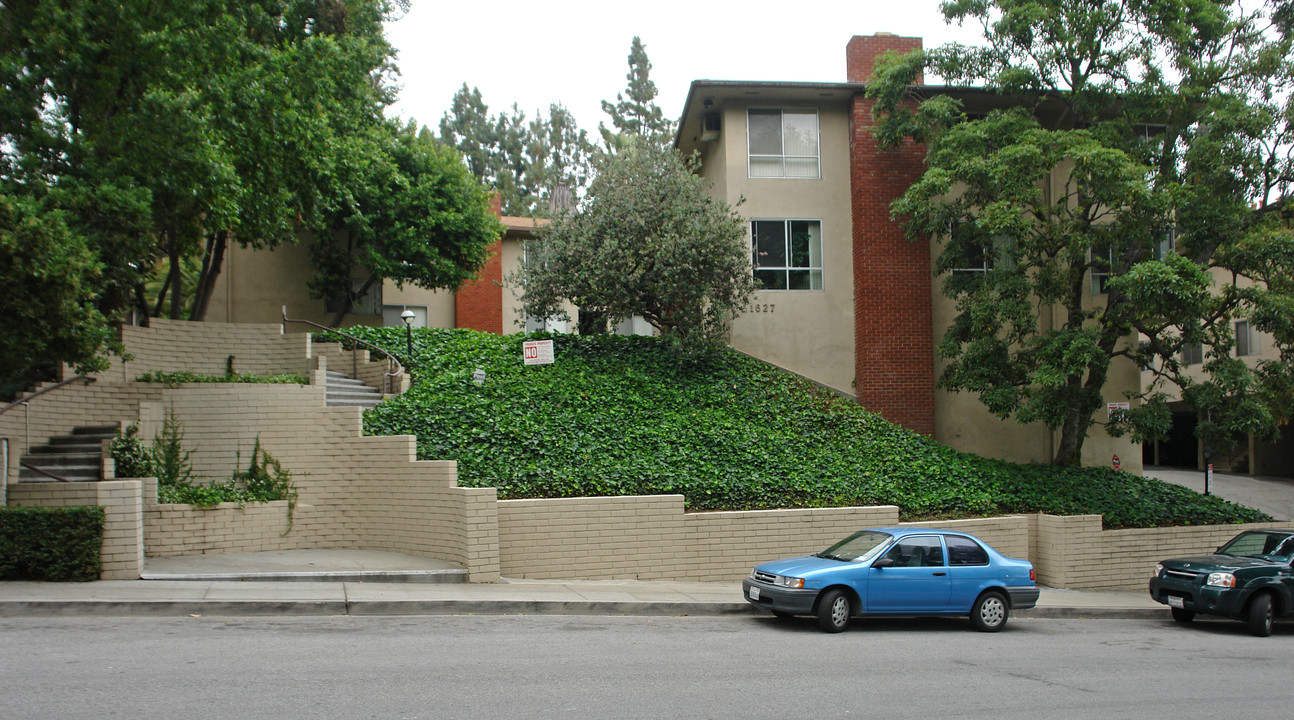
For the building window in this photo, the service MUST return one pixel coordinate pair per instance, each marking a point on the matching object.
(787, 254)
(1102, 264)
(1192, 354)
(393, 315)
(975, 257)
(1167, 244)
(783, 143)
(370, 303)
(1246, 339)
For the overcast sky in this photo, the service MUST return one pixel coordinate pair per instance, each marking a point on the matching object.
(576, 51)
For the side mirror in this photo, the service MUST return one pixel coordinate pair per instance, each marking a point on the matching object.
(883, 563)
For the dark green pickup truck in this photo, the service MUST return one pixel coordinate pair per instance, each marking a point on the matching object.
(1249, 579)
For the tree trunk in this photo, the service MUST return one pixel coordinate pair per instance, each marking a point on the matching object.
(177, 280)
(211, 264)
(350, 300)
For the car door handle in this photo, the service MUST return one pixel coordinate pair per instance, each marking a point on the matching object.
(940, 574)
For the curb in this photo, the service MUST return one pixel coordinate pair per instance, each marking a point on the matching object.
(375, 608)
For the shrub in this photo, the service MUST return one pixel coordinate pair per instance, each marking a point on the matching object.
(129, 455)
(50, 543)
(173, 379)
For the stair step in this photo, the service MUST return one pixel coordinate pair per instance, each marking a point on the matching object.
(356, 402)
(108, 430)
(66, 448)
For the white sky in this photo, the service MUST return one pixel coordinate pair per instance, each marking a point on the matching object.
(576, 51)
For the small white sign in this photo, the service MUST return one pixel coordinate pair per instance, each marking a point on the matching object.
(537, 352)
(1114, 408)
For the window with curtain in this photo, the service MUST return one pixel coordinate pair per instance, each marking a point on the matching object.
(787, 254)
(783, 143)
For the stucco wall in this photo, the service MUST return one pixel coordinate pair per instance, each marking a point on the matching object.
(809, 331)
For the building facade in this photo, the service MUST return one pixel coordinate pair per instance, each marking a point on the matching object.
(846, 299)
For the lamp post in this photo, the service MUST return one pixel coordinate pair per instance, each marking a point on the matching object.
(1208, 468)
(407, 317)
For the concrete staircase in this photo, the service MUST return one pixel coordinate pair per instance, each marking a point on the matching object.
(345, 390)
(77, 457)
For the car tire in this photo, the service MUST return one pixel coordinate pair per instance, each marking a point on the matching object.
(1182, 615)
(990, 611)
(834, 611)
(1260, 615)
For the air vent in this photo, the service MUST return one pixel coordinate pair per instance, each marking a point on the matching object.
(710, 126)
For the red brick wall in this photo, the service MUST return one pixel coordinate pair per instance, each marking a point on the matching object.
(893, 339)
(478, 304)
(862, 51)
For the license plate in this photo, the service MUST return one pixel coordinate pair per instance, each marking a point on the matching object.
(1175, 602)
(754, 593)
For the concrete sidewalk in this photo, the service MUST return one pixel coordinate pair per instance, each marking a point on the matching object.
(362, 582)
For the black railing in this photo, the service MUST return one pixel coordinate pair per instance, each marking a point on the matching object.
(24, 401)
(394, 368)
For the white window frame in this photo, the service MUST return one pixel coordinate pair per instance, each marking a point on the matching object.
(1101, 277)
(1246, 339)
(817, 144)
(756, 268)
(1193, 354)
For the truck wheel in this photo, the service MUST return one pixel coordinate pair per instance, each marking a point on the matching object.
(1183, 615)
(1260, 615)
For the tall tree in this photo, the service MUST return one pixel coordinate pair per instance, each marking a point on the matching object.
(523, 161)
(1148, 148)
(635, 113)
(415, 215)
(649, 241)
(158, 134)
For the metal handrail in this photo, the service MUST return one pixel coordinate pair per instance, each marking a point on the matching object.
(42, 471)
(391, 359)
(24, 400)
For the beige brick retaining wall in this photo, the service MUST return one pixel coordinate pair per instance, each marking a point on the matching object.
(175, 345)
(650, 537)
(353, 491)
(1074, 552)
(122, 551)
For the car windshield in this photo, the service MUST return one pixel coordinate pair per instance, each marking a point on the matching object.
(1259, 544)
(859, 546)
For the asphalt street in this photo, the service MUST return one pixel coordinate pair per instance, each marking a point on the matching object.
(636, 667)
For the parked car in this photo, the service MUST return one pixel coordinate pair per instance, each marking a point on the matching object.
(897, 571)
(1249, 578)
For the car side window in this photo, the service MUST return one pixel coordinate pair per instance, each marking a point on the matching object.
(920, 551)
(964, 551)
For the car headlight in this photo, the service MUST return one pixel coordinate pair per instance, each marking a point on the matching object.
(1159, 568)
(1221, 579)
(752, 574)
(790, 582)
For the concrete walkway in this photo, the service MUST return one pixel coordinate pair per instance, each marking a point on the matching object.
(1272, 495)
(305, 583)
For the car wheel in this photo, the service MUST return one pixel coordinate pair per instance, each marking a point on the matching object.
(1260, 615)
(1182, 615)
(834, 611)
(990, 611)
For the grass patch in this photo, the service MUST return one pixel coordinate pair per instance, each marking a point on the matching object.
(620, 416)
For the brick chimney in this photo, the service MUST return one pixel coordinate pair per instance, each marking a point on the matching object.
(862, 51)
(478, 304)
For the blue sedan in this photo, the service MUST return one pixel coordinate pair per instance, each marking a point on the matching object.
(897, 571)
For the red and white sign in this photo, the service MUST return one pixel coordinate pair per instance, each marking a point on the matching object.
(537, 352)
(1115, 408)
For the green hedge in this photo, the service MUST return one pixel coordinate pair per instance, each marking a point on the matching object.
(621, 416)
(50, 543)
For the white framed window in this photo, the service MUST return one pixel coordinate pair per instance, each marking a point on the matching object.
(783, 143)
(393, 315)
(787, 254)
(1167, 244)
(1192, 354)
(1246, 339)
(1102, 268)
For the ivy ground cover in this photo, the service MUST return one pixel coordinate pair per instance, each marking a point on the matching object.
(620, 416)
